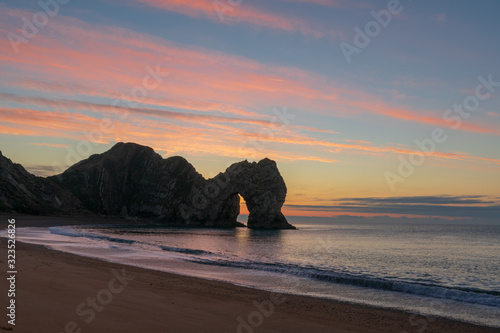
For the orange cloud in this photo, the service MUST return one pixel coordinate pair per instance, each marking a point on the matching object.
(49, 145)
(243, 13)
(199, 79)
(109, 109)
(411, 116)
(369, 149)
(293, 211)
(325, 3)
(206, 135)
(238, 94)
(178, 103)
(160, 135)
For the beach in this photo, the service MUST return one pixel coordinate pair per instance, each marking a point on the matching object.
(235, 166)
(61, 292)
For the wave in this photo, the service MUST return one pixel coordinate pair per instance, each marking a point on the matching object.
(72, 232)
(198, 256)
(469, 295)
(184, 250)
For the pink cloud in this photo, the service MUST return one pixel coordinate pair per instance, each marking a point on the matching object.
(242, 13)
(223, 83)
(326, 3)
(202, 137)
(49, 144)
(223, 98)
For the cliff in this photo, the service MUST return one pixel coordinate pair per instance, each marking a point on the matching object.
(131, 180)
(23, 192)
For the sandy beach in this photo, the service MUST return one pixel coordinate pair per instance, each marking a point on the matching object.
(231, 166)
(60, 292)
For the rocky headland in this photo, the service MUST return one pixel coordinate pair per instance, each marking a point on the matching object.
(131, 180)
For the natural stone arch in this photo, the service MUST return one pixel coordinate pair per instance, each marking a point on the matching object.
(263, 189)
(133, 181)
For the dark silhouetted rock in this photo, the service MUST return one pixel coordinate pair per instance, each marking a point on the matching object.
(131, 180)
(22, 192)
(260, 184)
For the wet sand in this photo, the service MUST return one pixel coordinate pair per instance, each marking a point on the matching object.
(59, 292)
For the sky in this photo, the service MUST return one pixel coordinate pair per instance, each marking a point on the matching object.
(370, 108)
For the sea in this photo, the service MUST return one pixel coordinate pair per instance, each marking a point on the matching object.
(445, 270)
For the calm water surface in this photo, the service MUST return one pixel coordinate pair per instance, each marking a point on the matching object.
(446, 270)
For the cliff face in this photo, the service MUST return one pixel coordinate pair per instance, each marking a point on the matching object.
(132, 180)
(23, 192)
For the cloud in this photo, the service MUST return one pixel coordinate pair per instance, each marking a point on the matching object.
(325, 3)
(209, 103)
(243, 14)
(421, 117)
(296, 139)
(71, 88)
(106, 108)
(224, 83)
(205, 135)
(253, 136)
(42, 170)
(431, 200)
(436, 206)
(56, 145)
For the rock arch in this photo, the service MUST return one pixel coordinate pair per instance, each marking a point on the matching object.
(131, 180)
(263, 189)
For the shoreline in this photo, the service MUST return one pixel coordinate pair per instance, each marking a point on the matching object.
(58, 285)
